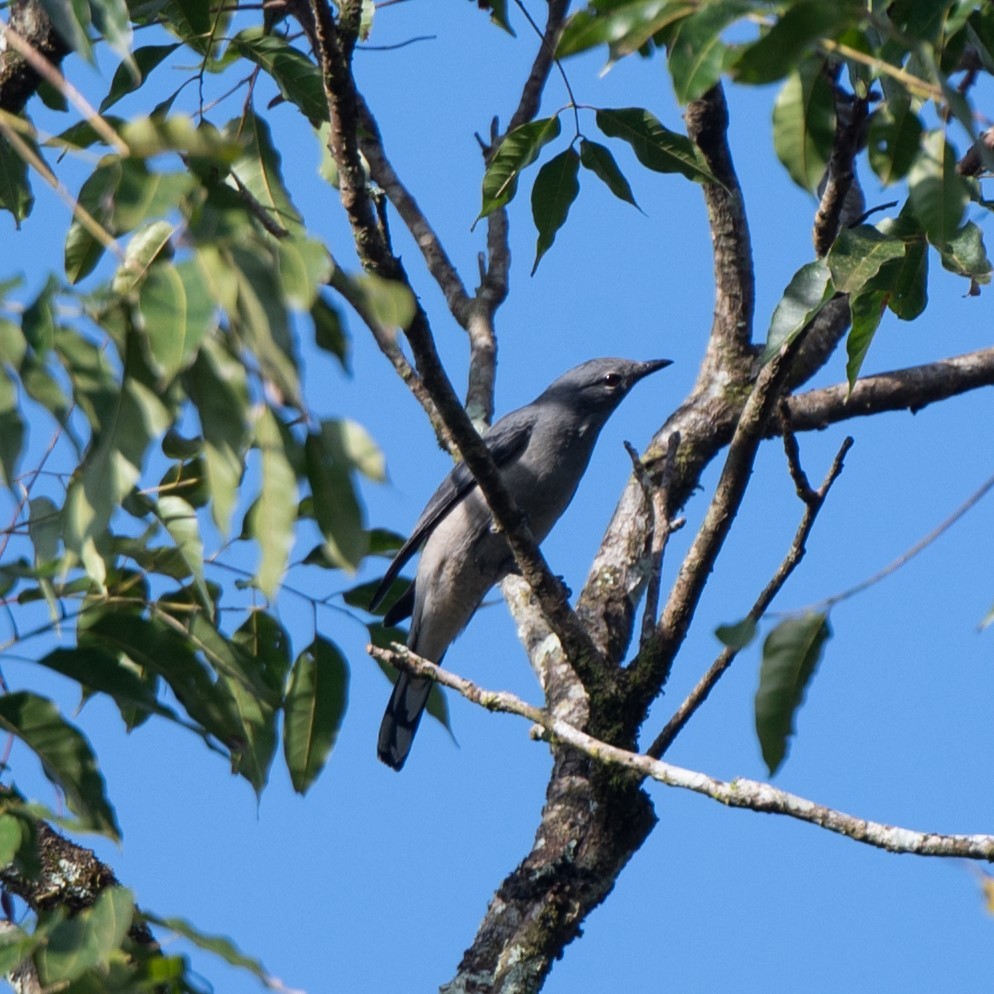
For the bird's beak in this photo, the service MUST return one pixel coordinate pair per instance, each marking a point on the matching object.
(643, 369)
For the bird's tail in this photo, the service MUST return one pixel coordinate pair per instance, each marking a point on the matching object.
(401, 719)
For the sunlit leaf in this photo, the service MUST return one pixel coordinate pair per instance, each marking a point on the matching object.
(518, 150)
(148, 243)
(180, 520)
(938, 193)
(804, 124)
(275, 512)
(697, 55)
(654, 145)
(857, 255)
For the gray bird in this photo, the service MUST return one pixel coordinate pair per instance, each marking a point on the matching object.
(542, 451)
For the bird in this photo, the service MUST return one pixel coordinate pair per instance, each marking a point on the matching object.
(542, 451)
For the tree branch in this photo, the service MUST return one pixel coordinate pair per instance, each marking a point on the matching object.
(753, 795)
(813, 500)
(905, 389)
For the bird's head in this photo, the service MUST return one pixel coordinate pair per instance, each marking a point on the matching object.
(598, 386)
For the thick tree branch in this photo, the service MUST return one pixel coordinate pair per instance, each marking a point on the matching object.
(18, 80)
(738, 793)
(908, 389)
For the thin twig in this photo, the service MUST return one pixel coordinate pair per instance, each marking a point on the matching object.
(919, 546)
(739, 793)
(813, 501)
(54, 78)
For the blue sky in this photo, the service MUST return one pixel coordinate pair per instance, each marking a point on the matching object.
(376, 881)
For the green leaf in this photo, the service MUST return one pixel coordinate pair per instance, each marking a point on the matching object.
(351, 445)
(44, 529)
(65, 755)
(599, 160)
(11, 837)
(274, 515)
(810, 288)
(12, 429)
(113, 20)
(625, 27)
(180, 520)
(867, 308)
(316, 700)
(336, 507)
(518, 150)
(804, 124)
(176, 311)
(296, 76)
(966, 255)
(938, 193)
(391, 303)
(796, 32)
(266, 642)
(790, 655)
(129, 77)
(905, 279)
(149, 243)
(218, 945)
(697, 55)
(329, 330)
(88, 939)
(556, 187)
(304, 267)
(857, 255)
(218, 388)
(737, 636)
(15, 190)
(655, 146)
(259, 170)
(147, 137)
(97, 670)
(894, 137)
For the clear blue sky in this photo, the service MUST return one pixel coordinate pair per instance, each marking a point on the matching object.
(375, 882)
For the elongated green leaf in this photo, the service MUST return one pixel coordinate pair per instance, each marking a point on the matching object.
(149, 243)
(518, 150)
(698, 56)
(177, 311)
(655, 146)
(126, 80)
(12, 429)
(336, 507)
(66, 758)
(599, 160)
(88, 939)
(218, 388)
(304, 267)
(905, 279)
(162, 651)
(316, 700)
(797, 31)
(329, 329)
(867, 308)
(810, 288)
(938, 193)
(298, 79)
(625, 27)
(72, 22)
(113, 20)
(15, 190)
(857, 255)
(218, 945)
(259, 168)
(804, 124)
(556, 187)
(391, 303)
(352, 446)
(790, 656)
(895, 132)
(267, 643)
(97, 670)
(253, 757)
(180, 520)
(275, 514)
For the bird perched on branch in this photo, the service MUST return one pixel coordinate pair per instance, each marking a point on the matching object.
(542, 451)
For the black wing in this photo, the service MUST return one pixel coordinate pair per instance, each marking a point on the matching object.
(505, 440)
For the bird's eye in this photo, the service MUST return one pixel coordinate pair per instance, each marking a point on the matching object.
(611, 380)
